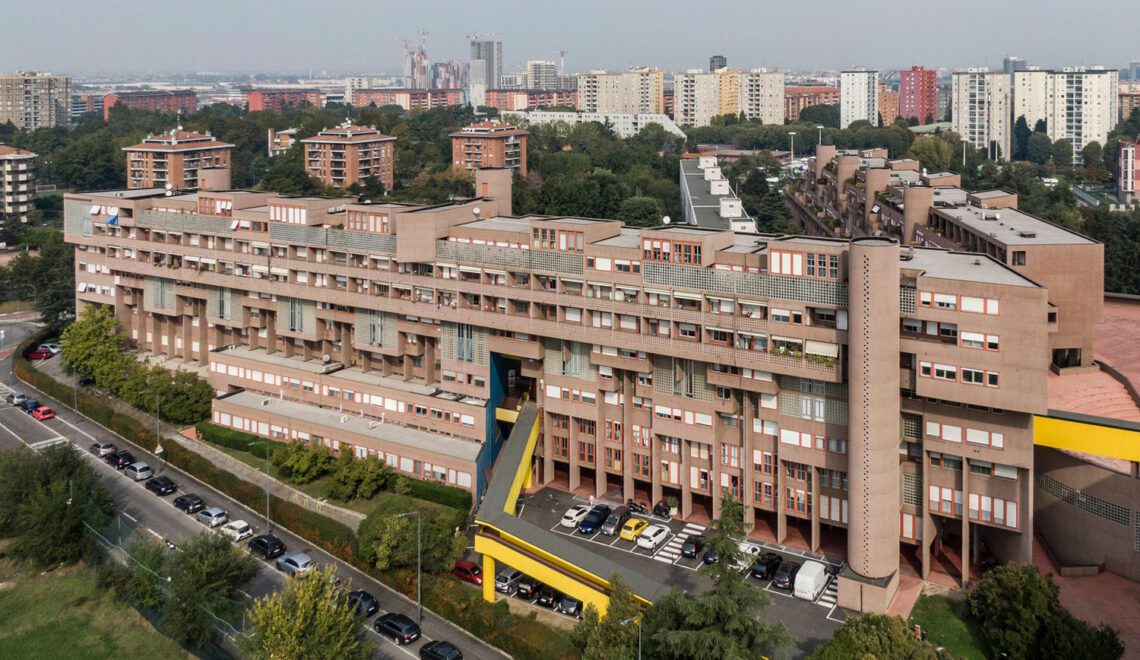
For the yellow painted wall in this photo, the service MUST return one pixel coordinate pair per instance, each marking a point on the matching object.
(522, 470)
(527, 564)
(1086, 438)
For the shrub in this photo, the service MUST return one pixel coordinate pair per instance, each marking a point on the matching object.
(233, 439)
(456, 498)
(302, 463)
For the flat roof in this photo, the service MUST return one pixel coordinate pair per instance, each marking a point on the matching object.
(1012, 227)
(964, 266)
(499, 223)
(700, 200)
(276, 359)
(990, 194)
(627, 238)
(467, 450)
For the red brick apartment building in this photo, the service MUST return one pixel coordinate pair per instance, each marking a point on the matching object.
(178, 158)
(347, 154)
(489, 144)
(854, 393)
(177, 101)
(798, 97)
(274, 100)
(531, 99)
(918, 93)
(408, 99)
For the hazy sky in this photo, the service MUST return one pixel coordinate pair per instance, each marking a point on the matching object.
(75, 36)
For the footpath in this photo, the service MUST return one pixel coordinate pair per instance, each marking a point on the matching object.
(187, 438)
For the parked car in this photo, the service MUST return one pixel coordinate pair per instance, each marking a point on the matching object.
(528, 588)
(618, 517)
(574, 516)
(86, 381)
(267, 546)
(570, 606)
(765, 566)
(363, 602)
(507, 580)
(212, 517)
(51, 348)
(295, 564)
(28, 405)
(594, 519)
(15, 398)
(692, 546)
(40, 354)
(633, 528)
(398, 628)
(101, 449)
(661, 509)
(653, 536)
(161, 485)
(43, 412)
(785, 575)
(468, 571)
(138, 471)
(747, 553)
(440, 650)
(189, 503)
(547, 597)
(120, 459)
(711, 557)
(810, 580)
(237, 530)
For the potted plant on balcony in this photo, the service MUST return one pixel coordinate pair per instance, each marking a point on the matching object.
(672, 502)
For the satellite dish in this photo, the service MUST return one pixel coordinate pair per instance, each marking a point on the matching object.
(326, 358)
(476, 211)
(169, 186)
(665, 220)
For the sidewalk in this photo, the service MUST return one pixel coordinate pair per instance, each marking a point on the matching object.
(187, 439)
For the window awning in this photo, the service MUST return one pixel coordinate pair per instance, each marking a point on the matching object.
(823, 348)
(687, 296)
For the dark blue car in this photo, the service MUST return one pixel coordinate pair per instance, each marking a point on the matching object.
(594, 519)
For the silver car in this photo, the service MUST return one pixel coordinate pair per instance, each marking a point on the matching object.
(212, 517)
(295, 564)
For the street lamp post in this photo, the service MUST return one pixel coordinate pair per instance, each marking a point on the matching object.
(820, 128)
(419, 562)
(629, 620)
(268, 522)
(792, 137)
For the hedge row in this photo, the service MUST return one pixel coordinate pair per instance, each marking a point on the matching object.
(456, 498)
(519, 636)
(232, 439)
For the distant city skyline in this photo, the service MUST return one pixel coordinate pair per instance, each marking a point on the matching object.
(71, 36)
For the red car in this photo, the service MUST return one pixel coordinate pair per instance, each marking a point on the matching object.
(40, 354)
(43, 412)
(468, 571)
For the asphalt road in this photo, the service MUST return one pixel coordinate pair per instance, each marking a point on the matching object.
(145, 511)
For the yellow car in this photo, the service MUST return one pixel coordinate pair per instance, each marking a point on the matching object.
(633, 528)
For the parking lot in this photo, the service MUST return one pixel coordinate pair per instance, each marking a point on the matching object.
(810, 623)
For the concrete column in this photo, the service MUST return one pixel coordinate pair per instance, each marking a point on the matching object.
(270, 331)
(778, 501)
(815, 540)
(488, 578)
(873, 473)
(965, 550)
(1025, 516)
(823, 155)
(686, 479)
(747, 445)
(715, 472)
(575, 470)
(627, 486)
(926, 520)
(875, 181)
(547, 455)
(917, 202)
(845, 168)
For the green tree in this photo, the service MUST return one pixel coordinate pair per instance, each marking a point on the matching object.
(1039, 148)
(302, 463)
(875, 636)
(934, 153)
(388, 541)
(94, 340)
(1012, 603)
(206, 583)
(1063, 153)
(1066, 636)
(310, 618)
(608, 638)
(824, 115)
(1021, 135)
(640, 212)
(1091, 155)
(725, 622)
(47, 499)
(1040, 126)
(140, 580)
(48, 277)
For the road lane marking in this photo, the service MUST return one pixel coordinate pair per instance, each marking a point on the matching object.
(130, 517)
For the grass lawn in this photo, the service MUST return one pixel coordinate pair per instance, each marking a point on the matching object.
(64, 614)
(938, 616)
(318, 488)
(9, 306)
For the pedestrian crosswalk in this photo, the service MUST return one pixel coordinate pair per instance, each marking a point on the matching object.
(672, 550)
(830, 594)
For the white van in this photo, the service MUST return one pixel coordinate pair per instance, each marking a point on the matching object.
(810, 580)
